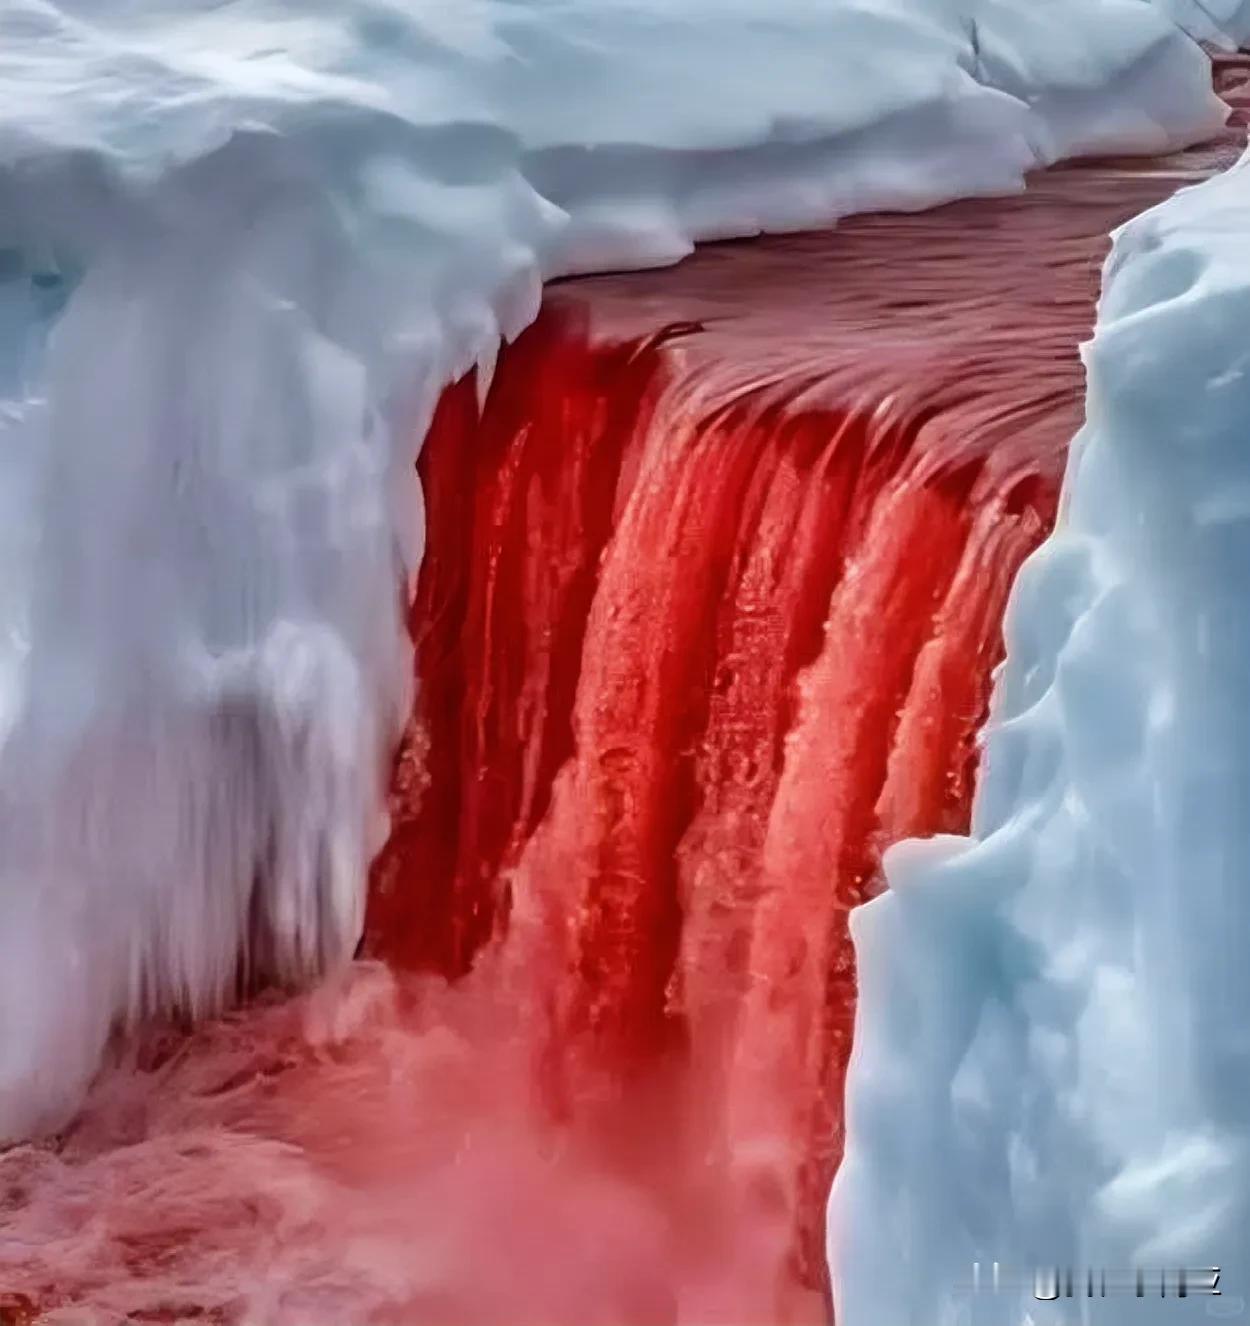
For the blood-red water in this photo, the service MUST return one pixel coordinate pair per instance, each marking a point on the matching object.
(712, 602)
(709, 612)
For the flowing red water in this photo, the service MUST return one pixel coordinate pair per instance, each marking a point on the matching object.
(712, 599)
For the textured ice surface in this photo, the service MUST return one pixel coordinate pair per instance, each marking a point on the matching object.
(241, 246)
(1222, 22)
(1052, 1060)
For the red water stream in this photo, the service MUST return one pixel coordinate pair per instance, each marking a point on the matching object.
(712, 603)
(710, 607)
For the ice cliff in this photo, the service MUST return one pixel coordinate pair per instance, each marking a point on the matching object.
(1052, 1060)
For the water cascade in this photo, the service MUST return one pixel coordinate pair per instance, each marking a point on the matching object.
(711, 605)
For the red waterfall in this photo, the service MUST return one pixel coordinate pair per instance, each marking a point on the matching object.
(711, 602)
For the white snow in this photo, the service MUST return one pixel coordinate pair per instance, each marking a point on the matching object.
(241, 247)
(1052, 1056)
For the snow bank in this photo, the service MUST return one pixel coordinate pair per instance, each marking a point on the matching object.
(241, 247)
(1052, 1061)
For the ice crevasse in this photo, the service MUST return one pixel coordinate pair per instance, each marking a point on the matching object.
(1051, 1062)
(241, 249)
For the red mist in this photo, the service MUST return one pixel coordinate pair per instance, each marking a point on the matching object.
(711, 603)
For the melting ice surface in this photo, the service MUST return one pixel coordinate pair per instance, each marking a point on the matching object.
(241, 247)
(1052, 1060)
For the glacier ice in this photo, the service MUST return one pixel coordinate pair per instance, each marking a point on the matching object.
(242, 246)
(1052, 1056)
(1224, 23)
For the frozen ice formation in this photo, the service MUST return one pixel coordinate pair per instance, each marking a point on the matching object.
(1052, 1060)
(1224, 23)
(241, 248)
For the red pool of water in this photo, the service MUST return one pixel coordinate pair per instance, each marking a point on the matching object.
(709, 614)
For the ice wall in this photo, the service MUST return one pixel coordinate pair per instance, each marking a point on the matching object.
(241, 247)
(1052, 1063)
